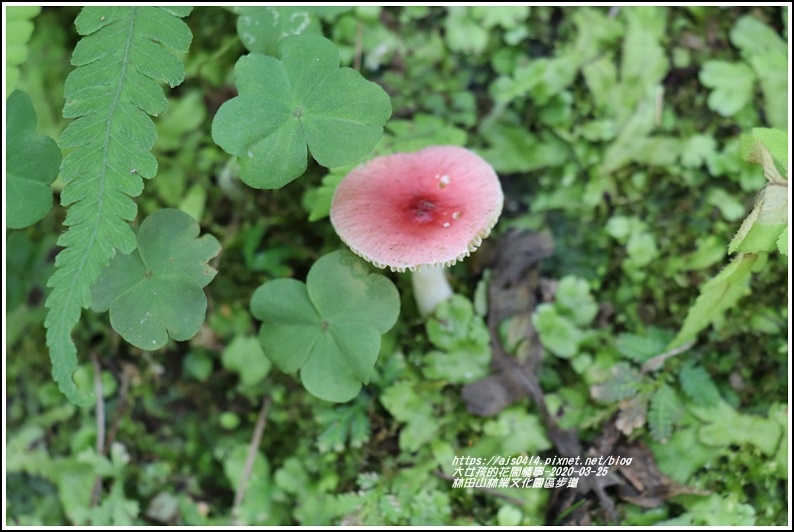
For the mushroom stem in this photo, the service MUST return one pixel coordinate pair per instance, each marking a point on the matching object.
(430, 288)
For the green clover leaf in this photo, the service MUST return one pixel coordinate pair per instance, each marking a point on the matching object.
(557, 333)
(303, 99)
(764, 49)
(157, 290)
(261, 27)
(731, 84)
(412, 404)
(244, 356)
(462, 340)
(575, 301)
(329, 328)
(32, 162)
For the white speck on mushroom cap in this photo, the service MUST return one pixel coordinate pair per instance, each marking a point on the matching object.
(433, 206)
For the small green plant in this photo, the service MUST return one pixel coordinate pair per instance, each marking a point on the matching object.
(328, 328)
(156, 292)
(559, 324)
(18, 31)
(764, 230)
(764, 56)
(645, 394)
(302, 100)
(123, 54)
(461, 341)
(32, 163)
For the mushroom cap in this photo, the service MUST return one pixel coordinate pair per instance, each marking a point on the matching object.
(433, 206)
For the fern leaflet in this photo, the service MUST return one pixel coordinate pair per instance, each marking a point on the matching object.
(663, 413)
(717, 296)
(123, 55)
(698, 386)
(18, 29)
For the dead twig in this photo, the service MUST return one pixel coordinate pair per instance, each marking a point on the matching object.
(256, 439)
(656, 362)
(566, 441)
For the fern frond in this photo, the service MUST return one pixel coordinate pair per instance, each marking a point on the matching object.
(663, 412)
(626, 382)
(19, 28)
(717, 296)
(698, 385)
(123, 55)
(641, 348)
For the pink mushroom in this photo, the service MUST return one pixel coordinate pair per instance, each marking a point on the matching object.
(418, 211)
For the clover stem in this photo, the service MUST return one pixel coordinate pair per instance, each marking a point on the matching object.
(430, 288)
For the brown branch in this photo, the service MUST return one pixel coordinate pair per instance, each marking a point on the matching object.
(256, 439)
